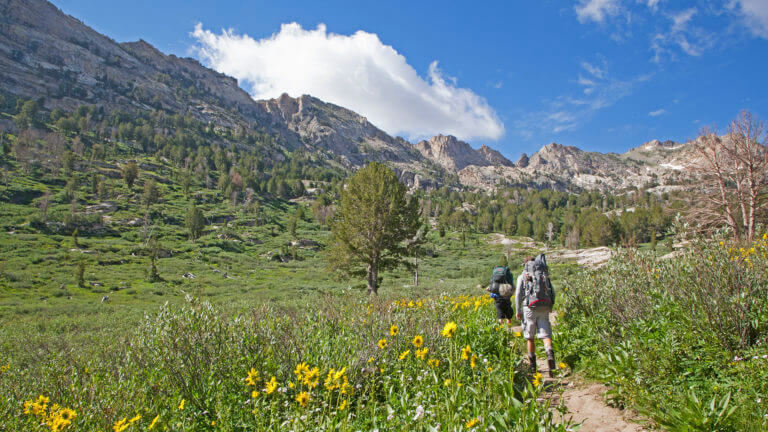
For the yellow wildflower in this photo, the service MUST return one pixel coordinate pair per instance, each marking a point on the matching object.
(181, 404)
(393, 331)
(343, 405)
(562, 365)
(253, 376)
(518, 334)
(382, 343)
(301, 370)
(465, 352)
(312, 377)
(447, 382)
(422, 353)
(537, 379)
(271, 386)
(254, 394)
(370, 360)
(135, 418)
(449, 329)
(121, 425)
(473, 361)
(303, 399)
(154, 421)
(404, 354)
(433, 362)
(471, 423)
(418, 341)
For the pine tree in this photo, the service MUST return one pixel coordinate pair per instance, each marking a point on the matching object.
(130, 173)
(374, 226)
(195, 222)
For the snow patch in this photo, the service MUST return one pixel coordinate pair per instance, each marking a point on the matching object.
(672, 166)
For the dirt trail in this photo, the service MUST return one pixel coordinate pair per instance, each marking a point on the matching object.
(585, 403)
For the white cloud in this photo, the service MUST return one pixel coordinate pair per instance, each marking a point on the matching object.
(653, 4)
(681, 19)
(596, 10)
(657, 113)
(358, 72)
(689, 39)
(596, 71)
(568, 112)
(755, 14)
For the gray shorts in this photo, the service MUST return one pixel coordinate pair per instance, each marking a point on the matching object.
(536, 322)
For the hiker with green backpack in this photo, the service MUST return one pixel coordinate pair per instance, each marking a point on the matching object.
(501, 290)
(534, 298)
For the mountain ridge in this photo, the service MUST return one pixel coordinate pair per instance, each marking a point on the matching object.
(47, 54)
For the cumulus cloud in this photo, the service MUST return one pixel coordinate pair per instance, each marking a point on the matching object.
(356, 71)
(596, 10)
(755, 14)
(657, 113)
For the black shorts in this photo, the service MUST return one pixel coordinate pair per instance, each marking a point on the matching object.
(504, 308)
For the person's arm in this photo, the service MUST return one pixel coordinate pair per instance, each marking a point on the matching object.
(552, 290)
(519, 296)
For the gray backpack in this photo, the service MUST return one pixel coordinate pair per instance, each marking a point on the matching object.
(538, 288)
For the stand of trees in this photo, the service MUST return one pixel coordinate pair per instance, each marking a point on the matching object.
(590, 218)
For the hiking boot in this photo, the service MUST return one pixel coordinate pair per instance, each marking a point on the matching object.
(551, 364)
(532, 361)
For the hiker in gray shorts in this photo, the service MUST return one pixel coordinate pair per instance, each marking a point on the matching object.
(535, 322)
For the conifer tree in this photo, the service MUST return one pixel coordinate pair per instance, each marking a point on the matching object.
(375, 225)
(195, 222)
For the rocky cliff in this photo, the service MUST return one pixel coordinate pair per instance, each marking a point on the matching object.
(56, 59)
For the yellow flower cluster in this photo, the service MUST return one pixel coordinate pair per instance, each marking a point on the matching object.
(252, 377)
(309, 377)
(449, 329)
(467, 301)
(55, 417)
(337, 380)
(271, 386)
(758, 249)
(408, 304)
(422, 353)
(125, 423)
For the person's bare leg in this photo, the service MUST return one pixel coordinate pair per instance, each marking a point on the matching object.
(532, 354)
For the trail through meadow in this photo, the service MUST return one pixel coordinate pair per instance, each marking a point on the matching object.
(584, 401)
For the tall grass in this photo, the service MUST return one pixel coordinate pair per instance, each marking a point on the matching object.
(338, 363)
(685, 340)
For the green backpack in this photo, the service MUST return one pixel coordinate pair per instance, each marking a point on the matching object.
(501, 282)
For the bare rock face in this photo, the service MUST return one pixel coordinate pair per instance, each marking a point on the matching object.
(494, 157)
(523, 161)
(454, 155)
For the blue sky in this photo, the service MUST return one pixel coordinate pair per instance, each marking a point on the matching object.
(603, 75)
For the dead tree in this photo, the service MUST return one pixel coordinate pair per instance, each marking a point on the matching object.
(733, 173)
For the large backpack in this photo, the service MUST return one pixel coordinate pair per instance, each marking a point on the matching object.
(538, 288)
(500, 282)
